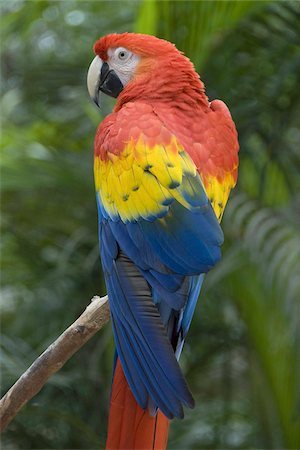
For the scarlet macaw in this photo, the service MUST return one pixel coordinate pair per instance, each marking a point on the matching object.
(165, 161)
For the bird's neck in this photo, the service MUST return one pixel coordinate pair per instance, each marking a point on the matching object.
(174, 84)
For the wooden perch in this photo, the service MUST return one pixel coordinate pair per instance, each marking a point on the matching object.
(54, 357)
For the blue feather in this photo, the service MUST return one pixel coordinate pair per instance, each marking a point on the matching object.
(154, 271)
(141, 339)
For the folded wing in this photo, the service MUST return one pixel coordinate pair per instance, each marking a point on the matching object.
(158, 234)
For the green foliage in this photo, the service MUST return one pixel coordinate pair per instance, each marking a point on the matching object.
(147, 18)
(241, 357)
(194, 26)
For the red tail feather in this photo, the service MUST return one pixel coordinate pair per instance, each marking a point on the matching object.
(129, 426)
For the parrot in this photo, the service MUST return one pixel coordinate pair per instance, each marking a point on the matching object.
(165, 160)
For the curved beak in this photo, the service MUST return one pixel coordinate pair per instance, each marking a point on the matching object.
(101, 78)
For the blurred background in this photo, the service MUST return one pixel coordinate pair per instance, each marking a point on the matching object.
(242, 357)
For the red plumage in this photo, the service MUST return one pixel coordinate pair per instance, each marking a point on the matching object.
(140, 44)
(211, 140)
(130, 427)
(165, 96)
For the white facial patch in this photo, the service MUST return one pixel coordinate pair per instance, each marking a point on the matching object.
(123, 62)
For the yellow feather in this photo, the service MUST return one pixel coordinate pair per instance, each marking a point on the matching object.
(137, 182)
(218, 192)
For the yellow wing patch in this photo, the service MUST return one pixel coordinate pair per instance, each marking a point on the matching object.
(142, 180)
(218, 192)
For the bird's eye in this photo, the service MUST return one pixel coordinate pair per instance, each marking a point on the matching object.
(123, 54)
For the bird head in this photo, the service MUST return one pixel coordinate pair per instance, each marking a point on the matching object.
(131, 65)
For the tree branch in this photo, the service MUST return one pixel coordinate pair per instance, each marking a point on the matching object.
(54, 357)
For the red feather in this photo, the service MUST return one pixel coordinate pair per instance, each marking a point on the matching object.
(129, 426)
(164, 98)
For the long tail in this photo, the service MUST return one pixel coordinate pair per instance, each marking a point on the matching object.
(129, 426)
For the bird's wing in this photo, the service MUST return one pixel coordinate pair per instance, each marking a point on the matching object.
(215, 153)
(158, 232)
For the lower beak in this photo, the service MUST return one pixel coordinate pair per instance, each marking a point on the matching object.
(101, 78)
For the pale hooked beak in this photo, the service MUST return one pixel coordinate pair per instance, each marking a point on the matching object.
(101, 78)
(93, 79)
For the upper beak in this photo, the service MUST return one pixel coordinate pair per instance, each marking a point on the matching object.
(101, 78)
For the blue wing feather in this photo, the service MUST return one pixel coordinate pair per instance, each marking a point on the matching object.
(142, 342)
(153, 275)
